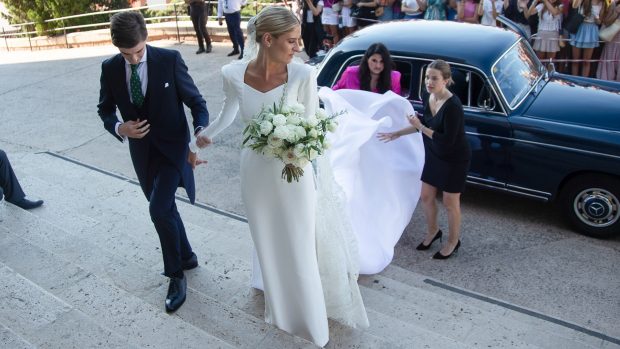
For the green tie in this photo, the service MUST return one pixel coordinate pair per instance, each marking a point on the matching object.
(136, 86)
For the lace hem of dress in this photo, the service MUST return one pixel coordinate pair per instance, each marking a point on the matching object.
(337, 251)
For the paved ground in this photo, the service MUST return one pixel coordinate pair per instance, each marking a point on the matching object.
(513, 249)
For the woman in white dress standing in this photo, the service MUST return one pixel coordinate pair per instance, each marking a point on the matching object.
(281, 215)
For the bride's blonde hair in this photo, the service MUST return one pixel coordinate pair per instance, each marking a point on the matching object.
(275, 20)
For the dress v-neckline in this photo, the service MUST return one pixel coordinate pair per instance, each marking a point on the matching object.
(245, 70)
(439, 109)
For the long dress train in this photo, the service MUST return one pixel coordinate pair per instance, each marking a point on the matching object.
(381, 181)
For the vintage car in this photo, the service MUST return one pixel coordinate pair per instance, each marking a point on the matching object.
(533, 132)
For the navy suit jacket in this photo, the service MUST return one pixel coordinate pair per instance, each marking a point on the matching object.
(169, 87)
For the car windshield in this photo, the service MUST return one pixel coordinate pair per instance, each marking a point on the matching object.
(516, 73)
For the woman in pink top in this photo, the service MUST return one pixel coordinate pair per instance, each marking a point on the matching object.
(467, 11)
(374, 73)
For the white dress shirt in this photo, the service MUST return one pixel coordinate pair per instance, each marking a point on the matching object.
(144, 80)
(229, 6)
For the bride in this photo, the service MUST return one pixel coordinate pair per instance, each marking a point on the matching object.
(305, 247)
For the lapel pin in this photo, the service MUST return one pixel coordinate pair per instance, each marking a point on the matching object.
(166, 85)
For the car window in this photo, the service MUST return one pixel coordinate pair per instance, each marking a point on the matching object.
(400, 65)
(516, 73)
(468, 85)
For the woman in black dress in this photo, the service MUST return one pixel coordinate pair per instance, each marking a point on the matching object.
(447, 155)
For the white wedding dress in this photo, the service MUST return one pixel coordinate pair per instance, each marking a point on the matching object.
(381, 181)
(294, 238)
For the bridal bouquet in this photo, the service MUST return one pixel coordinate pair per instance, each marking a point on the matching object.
(283, 132)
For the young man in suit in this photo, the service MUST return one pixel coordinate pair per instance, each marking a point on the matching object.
(149, 86)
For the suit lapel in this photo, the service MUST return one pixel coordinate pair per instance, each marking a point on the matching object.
(152, 70)
(119, 71)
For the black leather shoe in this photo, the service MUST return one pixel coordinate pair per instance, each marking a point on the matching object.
(27, 204)
(241, 55)
(209, 48)
(234, 52)
(200, 50)
(422, 247)
(190, 263)
(176, 293)
(438, 255)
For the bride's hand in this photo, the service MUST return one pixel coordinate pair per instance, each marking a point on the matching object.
(203, 141)
(387, 136)
(193, 160)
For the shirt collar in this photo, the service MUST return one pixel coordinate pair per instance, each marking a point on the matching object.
(141, 60)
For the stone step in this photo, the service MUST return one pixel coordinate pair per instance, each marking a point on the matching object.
(10, 339)
(398, 282)
(221, 286)
(216, 318)
(232, 238)
(33, 317)
(243, 300)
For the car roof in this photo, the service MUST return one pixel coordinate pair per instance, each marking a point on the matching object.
(473, 44)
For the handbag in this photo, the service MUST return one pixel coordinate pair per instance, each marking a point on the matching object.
(608, 33)
(355, 11)
(573, 23)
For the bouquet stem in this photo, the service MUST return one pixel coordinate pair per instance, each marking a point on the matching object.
(290, 172)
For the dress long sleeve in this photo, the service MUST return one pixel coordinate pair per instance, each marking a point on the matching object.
(308, 93)
(227, 113)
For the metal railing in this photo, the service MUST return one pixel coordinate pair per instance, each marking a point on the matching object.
(178, 12)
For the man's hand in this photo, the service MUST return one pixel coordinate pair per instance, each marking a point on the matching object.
(193, 160)
(134, 129)
(220, 21)
(202, 141)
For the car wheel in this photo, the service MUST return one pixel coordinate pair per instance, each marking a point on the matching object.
(592, 204)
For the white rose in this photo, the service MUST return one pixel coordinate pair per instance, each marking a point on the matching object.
(292, 133)
(282, 132)
(321, 114)
(297, 108)
(265, 127)
(331, 126)
(285, 109)
(269, 152)
(268, 117)
(293, 119)
(301, 163)
(326, 144)
(274, 142)
(312, 121)
(278, 120)
(300, 131)
(300, 150)
(288, 157)
(313, 133)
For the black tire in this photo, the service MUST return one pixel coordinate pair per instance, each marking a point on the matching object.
(592, 204)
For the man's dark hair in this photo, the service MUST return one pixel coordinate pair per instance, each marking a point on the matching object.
(127, 29)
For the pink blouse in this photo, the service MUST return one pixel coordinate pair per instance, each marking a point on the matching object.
(350, 80)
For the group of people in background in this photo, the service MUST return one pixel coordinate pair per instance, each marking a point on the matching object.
(576, 49)
(229, 10)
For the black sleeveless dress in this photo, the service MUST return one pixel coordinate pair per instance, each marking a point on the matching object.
(447, 154)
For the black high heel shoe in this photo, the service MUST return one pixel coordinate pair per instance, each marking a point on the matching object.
(438, 255)
(422, 247)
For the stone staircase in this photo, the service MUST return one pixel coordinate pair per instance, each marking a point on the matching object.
(83, 271)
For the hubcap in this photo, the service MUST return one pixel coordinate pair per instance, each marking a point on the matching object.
(597, 207)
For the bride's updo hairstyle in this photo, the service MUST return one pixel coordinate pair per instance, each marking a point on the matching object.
(275, 20)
